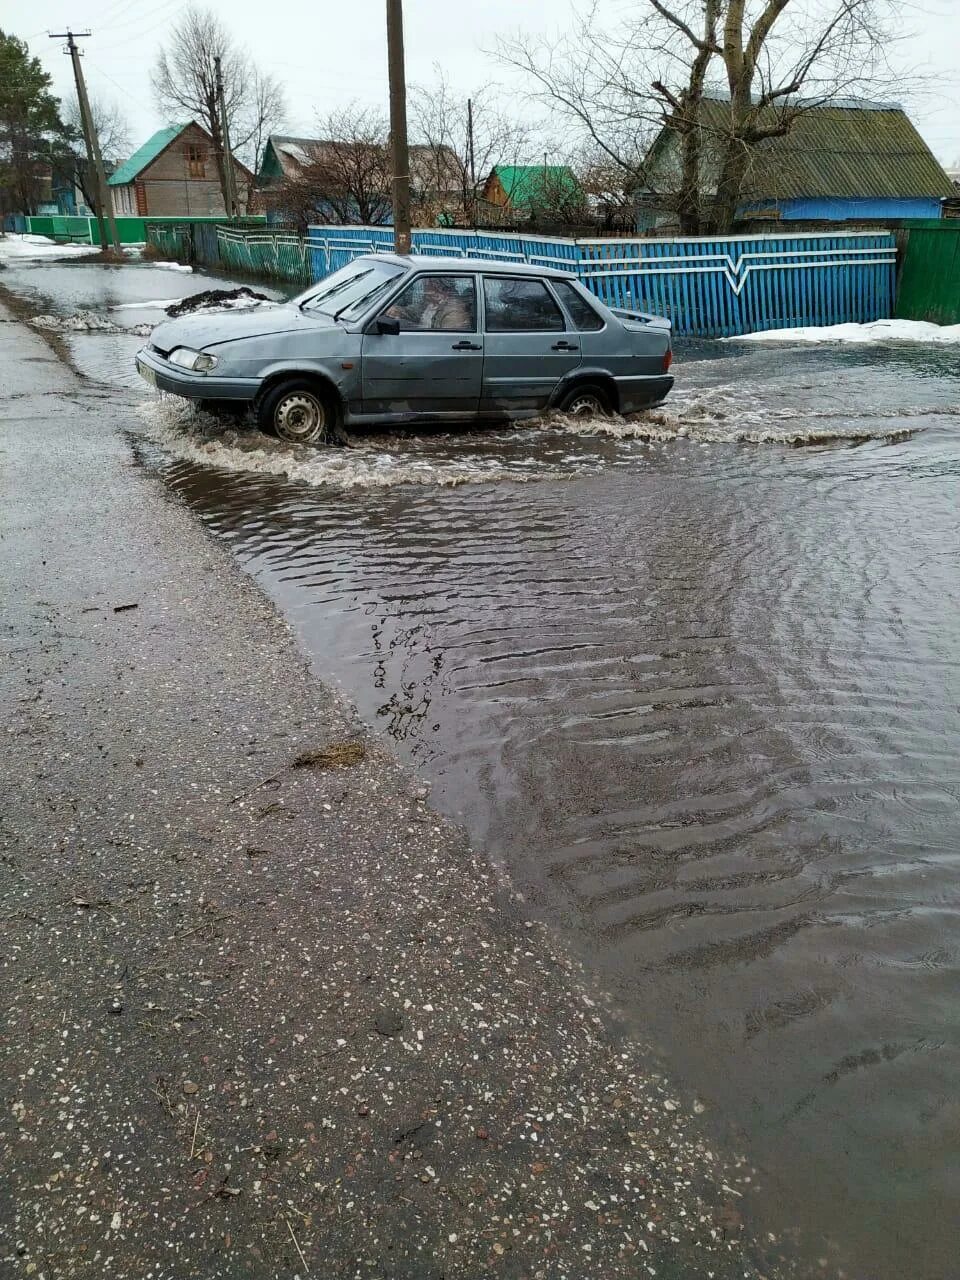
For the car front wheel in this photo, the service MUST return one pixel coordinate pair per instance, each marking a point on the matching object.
(301, 412)
(586, 401)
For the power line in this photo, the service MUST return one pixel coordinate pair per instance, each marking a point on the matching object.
(138, 19)
(139, 102)
(139, 34)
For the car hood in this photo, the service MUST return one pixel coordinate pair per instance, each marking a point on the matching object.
(213, 328)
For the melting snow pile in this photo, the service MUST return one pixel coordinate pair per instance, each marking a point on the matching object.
(874, 332)
(86, 322)
(81, 322)
(173, 266)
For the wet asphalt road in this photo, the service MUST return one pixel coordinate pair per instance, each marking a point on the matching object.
(261, 1019)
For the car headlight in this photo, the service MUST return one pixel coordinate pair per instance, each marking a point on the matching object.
(198, 361)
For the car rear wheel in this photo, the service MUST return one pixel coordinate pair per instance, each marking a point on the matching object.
(586, 401)
(301, 412)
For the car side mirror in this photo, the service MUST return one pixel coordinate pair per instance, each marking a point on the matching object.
(388, 325)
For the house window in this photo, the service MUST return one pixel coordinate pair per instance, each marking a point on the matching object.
(197, 160)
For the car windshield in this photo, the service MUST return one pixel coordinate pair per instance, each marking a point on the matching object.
(350, 290)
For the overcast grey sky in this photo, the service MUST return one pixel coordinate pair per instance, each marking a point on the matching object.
(330, 51)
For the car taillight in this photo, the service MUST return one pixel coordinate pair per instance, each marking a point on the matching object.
(667, 359)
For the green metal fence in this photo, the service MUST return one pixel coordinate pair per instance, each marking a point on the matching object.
(930, 274)
(250, 250)
(173, 240)
(83, 230)
(279, 255)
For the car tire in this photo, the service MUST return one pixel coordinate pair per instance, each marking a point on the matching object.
(586, 400)
(301, 411)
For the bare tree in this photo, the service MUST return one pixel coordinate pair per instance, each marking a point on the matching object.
(267, 111)
(773, 59)
(354, 166)
(440, 121)
(343, 177)
(184, 80)
(113, 131)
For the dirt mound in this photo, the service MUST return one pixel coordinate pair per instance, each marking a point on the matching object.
(217, 300)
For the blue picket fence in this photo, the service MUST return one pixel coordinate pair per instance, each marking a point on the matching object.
(706, 288)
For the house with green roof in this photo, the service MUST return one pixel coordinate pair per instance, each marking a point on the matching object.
(529, 189)
(174, 174)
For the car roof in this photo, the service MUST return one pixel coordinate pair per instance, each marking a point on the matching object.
(426, 261)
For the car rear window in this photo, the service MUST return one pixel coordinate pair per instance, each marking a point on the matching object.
(519, 306)
(578, 308)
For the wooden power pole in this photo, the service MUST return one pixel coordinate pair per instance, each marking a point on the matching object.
(103, 205)
(230, 189)
(473, 166)
(399, 152)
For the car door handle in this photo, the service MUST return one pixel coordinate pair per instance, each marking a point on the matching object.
(566, 346)
(466, 346)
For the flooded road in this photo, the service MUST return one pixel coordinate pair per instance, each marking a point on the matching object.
(128, 296)
(702, 704)
(698, 692)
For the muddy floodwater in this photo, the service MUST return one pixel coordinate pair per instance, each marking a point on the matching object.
(694, 683)
(702, 701)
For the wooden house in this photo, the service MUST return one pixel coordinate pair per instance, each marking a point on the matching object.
(174, 174)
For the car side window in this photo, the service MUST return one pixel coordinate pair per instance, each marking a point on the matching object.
(445, 303)
(578, 308)
(519, 306)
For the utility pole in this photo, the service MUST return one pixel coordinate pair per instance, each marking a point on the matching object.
(473, 167)
(230, 190)
(103, 205)
(399, 154)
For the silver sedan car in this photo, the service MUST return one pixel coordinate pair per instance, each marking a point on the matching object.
(391, 339)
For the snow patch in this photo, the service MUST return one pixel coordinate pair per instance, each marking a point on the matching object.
(156, 304)
(87, 322)
(173, 266)
(81, 322)
(34, 248)
(877, 331)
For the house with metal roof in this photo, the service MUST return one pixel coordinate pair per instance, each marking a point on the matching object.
(525, 189)
(285, 156)
(174, 174)
(332, 168)
(845, 160)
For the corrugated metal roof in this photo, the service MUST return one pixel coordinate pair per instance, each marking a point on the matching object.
(524, 183)
(146, 154)
(856, 150)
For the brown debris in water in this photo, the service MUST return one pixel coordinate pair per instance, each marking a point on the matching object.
(338, 755)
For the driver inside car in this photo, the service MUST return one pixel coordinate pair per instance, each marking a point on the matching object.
(436, 304)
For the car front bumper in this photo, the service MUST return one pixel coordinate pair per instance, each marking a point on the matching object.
(163, 375)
